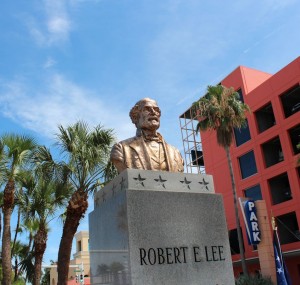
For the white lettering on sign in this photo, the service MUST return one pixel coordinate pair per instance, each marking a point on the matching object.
(252, 222)
(253, 217)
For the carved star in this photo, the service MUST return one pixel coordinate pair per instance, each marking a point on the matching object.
(139, 180)
(204, 184)
(122, 183)
(186, 183)
(113, 189)
(161, 181)
(103, 197)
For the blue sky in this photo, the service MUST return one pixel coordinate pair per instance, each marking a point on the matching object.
(64, 60)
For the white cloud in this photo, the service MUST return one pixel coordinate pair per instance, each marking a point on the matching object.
(55, 26)
(61, 102)
(49, 63)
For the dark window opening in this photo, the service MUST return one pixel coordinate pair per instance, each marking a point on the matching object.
(197, 157)
(288, 229)
(242, 135)
(234, 242)
(291, 101)
(295, 138)
(247, 164)
(265, 118)
(253, 192)
(241, 95)
(280, 189)
(79, 246)
(272, 152)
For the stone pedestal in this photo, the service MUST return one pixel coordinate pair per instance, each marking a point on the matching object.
(159, 228)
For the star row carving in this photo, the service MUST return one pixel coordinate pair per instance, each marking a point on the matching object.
(161, 182)
(186, 183)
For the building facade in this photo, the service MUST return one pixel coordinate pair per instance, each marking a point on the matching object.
(79, 265)
(264, 156)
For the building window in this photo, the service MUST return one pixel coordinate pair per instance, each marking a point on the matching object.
(241, 94)
(280, 189)
(288, 229)
(234, 242)
(79, 246)
(272, 152)
(295, 138)
(290, 101)
(253, 192)
(242, 135)
(265, 118)
(247, 164)
(197, 157)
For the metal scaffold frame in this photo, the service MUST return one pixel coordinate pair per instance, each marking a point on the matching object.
(192, 145)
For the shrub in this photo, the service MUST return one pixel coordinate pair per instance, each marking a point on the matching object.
(253, 280)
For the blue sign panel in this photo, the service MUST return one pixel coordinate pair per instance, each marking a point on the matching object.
(252, 222)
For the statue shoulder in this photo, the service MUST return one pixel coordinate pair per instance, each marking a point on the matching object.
(125, 142)
(118, 147)
(175, 157)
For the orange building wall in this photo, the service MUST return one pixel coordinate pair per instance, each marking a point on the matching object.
(258, 89)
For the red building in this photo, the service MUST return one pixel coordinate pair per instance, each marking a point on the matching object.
(264, 157)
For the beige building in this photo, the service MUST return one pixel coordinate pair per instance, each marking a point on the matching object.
(81, 259)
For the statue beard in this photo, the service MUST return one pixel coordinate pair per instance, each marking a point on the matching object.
(150, 125)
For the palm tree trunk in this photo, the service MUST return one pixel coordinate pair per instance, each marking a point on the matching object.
(16, 270)
(8, 202)
(1, 219)
(40, 242)
(236, 210)
(16, 232)
(75, 212)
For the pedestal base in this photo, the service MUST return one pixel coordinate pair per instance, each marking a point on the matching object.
(159, 228)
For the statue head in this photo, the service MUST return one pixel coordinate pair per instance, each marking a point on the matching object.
(145, 114)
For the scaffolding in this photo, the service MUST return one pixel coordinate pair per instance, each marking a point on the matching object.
(192, 145)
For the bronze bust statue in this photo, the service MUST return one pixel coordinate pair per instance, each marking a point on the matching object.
(147, 150)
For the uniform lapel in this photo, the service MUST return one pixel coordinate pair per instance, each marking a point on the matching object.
(138, 145)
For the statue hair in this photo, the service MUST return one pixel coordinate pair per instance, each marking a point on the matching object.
(135, 110)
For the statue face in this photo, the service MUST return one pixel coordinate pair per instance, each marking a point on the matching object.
(149, 117)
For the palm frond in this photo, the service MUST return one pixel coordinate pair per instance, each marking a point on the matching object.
(220, 110)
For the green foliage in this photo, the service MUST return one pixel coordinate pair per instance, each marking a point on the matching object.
(46, 277)
(253, 280)
(41, 185)
(220, 110)
(19, 282)
(87, 152)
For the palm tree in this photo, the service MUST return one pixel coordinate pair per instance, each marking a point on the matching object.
(87, 154)
(44, 193)
(19, 253)
(1, 205)
(222, 111)
(46, 200)
(15, 151)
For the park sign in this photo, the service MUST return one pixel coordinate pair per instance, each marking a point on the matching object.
(251, 222)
